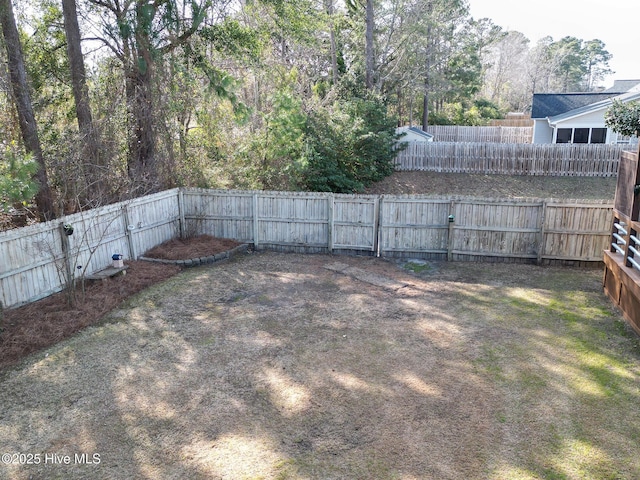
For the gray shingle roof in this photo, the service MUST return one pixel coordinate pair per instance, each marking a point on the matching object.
(551, 104)
(420, 132)
(622, 86)
(604, 103)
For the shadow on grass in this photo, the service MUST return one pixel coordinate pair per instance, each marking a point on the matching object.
(568, 368)
(274, 367)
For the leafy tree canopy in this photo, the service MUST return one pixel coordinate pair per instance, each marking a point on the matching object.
(624, 118)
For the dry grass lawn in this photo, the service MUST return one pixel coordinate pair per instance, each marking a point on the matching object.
(277, 366)
(495, 186)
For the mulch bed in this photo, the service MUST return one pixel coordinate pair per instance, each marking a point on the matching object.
(194, 247)
(40, 324)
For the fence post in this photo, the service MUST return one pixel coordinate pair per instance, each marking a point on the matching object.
(541, 235)
(129, 231)
(451, 220)
(377, 225)
(330, 202)
(255, 221)
(69, 274)
(181, 213)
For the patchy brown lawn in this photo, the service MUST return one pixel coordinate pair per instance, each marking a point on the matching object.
(281, 366)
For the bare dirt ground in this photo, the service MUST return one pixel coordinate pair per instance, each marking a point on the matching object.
(284, 366)
(492, 186)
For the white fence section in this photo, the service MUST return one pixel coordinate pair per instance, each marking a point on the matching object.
(536, 230)
(34, 263)
(512, 159)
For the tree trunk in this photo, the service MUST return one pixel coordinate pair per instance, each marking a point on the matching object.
(142, 163)
(142, 144)
(369, 52)
(425, 110)
(88, 135)
(332, 37)
(26, 117)
(427, 86)
(427, 73)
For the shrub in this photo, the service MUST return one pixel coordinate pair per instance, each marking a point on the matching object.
(350, 145)
(16, 183)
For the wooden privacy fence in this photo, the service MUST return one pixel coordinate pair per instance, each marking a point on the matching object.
(524, 229)
(530, 230)
(34, 263)
(512, 159)
(498, 134)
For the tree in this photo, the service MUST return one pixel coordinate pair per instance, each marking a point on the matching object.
(22, 98)
(369, 47)
(88, 134)
(16, 173)
(505, 69)
(140, 33)
(350, 144)
(596, 60)
(624, 118)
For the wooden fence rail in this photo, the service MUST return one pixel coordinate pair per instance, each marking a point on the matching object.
(512, 159)
(530, 230)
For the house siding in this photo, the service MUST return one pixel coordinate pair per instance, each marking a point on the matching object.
(542, 132)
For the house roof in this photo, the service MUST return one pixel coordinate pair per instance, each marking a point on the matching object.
(416, 131)
(546, 105)
(602, 104)
(551, 104)
(623, 86)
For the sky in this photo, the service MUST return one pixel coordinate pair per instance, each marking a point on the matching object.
(615, 22)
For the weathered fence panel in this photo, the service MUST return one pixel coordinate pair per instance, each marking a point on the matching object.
(98, 234)
(151, 220)
(493, 134)
(512, 159)
(354, 222)
(576, 230)
(34, 263)
(495, 228)
(300, 220)
(416, 225)
(221, 213)
(28, 268)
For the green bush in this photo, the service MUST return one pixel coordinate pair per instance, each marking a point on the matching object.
(623, 118)
(350, 145)
(16, 173)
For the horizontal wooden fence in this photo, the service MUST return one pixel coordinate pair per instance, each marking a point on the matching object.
(498, 134)
(512, 159)
(456, 228)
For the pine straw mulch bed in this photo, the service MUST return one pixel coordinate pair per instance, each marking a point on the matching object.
(40, 324)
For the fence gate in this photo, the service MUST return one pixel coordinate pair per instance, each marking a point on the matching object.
(354, 222)
(414, 225)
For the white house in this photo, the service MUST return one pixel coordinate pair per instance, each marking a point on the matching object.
(578, 117)
(414, 134)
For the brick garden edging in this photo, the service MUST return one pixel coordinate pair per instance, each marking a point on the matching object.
(194, 262)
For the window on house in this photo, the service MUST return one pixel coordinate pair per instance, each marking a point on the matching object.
(564, 135)
(580, 135)
(598, 135)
